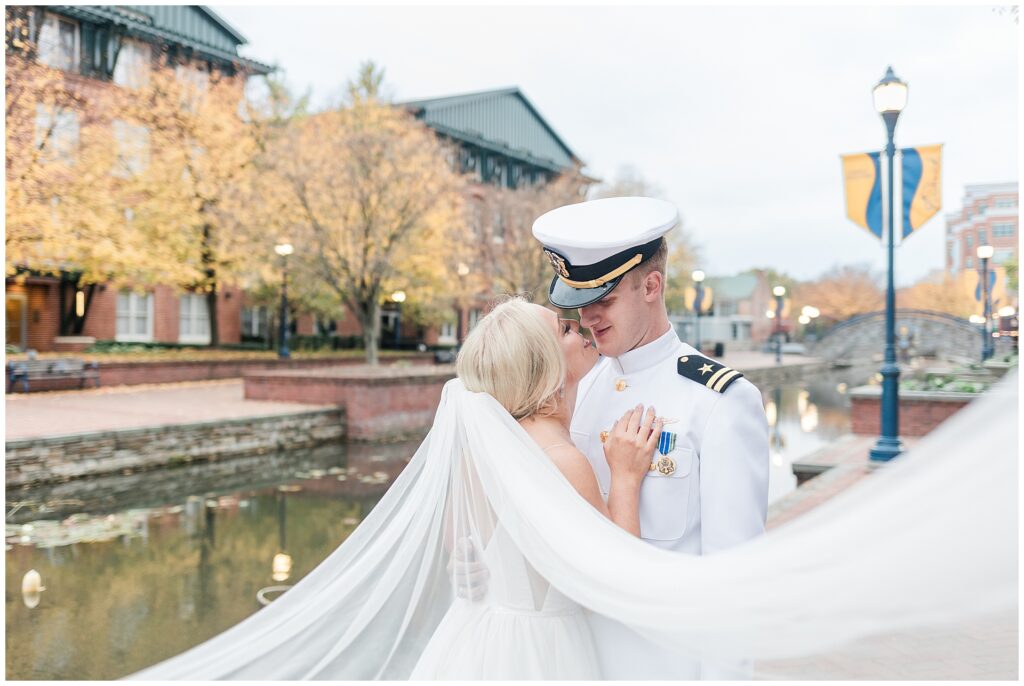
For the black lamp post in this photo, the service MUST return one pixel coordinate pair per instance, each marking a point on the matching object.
(987, 348)
(890, 96)
(698, 303)
(284, 250)
(779, 292)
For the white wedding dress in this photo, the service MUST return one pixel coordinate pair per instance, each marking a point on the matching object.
(522, 630)
(926, 541)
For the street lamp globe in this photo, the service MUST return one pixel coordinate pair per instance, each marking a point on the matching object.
(804, 319)
(890, 94)
(398, 296)
(284, 249)
(462, 269)
(985, 252)
(779, 291)
(1007, 311)
(770, 314)
(977, 319)
(698, 275)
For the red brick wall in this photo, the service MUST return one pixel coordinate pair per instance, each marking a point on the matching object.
(386, 407)
(101, 322)
(916, 417)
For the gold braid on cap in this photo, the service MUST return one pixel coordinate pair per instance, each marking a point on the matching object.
(602, 280)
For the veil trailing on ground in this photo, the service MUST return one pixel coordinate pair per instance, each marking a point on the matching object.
(928, 539)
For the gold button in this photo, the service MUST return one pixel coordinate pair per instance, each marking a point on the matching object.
(604, 436)
(620, 384)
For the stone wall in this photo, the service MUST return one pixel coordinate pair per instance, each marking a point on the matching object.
(172, 371)
(59, 458)
(920, 411)
(385, 403)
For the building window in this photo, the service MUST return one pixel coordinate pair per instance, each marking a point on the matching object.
(58, 43)
(194, 79)
(969, 262)
(981, 237)
(193, 319)
(1002, 255)
(969, 239)
(1006, 202)
(447, 333)
(474, 317)
(132, 148)
(134, 316)
(498, 227)
(1003, 230)
(56, 134)
(132, 68)
(254, 322)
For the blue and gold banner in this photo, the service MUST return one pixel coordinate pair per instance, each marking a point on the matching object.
(862, 179)
(922, 185)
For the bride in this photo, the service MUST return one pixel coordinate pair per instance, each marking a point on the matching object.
(489, 553)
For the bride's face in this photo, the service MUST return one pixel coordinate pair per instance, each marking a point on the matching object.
(579, 352)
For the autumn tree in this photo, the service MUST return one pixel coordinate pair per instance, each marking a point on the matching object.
(372, 203)
(502, 222)
(64, 215)
(186, 157)
(841, 292)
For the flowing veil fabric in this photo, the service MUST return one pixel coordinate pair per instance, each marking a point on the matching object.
(928, 539)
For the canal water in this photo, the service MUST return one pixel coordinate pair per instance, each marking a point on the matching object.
(137, 568)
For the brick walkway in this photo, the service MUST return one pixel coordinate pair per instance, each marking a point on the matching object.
(122, 407)
(983, 649)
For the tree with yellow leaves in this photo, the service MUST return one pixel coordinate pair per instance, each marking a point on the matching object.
(371, 204)
(186, 151)
(841, 292)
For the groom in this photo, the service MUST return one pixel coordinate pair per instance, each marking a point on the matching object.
(708, 485)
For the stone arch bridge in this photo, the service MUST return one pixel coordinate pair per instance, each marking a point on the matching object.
(926, 332)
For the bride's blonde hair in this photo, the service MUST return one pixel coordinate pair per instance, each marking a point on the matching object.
(514, 356)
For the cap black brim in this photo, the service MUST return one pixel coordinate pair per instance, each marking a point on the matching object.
(562, 295)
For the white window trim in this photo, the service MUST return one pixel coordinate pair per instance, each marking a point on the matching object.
(76, 57)
(123, 74)
(135, 337)
(62, 122)
(133, 148)
(193, 338)
(446, 334)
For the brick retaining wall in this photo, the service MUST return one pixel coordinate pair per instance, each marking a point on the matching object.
(385, 403)
(173, 371)
(920, 411)
(58, 458)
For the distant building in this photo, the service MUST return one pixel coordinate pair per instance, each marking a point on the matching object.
(737, 318)
(115, 46)
(501, 141)
(989, 216)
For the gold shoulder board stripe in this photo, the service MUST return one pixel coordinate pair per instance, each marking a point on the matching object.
(720, 386)
(710, 383)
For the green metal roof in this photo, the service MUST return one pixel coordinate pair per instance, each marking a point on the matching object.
(732, 287)
(193, 26)
(501, 120)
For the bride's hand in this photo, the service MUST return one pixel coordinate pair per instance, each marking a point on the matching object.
(632, 442)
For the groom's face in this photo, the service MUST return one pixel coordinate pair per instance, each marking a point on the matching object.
(618, 321)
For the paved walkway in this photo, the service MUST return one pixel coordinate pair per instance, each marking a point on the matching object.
(123, 407)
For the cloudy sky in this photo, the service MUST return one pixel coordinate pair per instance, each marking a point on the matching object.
(738, 114)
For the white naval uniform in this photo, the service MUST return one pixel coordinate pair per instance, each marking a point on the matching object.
(717, 496)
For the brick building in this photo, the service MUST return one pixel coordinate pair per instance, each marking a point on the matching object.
(500, 140)
(989, 216)
(99, 47)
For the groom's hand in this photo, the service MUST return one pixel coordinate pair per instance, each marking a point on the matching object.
(470, 575)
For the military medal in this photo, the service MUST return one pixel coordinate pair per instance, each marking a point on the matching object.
(665, 465)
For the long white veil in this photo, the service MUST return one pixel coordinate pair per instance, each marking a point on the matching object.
(928, 539)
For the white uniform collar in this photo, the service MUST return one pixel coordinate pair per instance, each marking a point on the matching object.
(648, 355)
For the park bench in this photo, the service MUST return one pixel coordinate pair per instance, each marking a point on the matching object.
(61, 368)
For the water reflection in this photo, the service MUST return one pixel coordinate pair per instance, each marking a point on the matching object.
(134, 569)
(127, 587)
(803, 417)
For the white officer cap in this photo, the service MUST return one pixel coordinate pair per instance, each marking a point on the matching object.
(592, 245)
